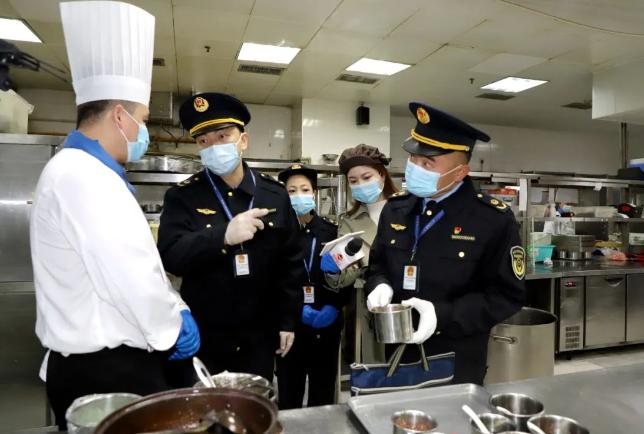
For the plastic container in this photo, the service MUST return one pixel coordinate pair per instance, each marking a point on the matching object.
(541, 253)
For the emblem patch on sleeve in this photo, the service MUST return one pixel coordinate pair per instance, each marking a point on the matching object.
(517, 256)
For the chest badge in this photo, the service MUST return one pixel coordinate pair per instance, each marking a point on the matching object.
(398, 227)
(206, 211)
(458, 235)
(517, 256)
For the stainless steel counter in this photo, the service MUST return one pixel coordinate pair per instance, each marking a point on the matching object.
(596, 267)
(606, 401)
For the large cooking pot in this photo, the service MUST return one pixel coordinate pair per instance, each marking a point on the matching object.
(164, 163)
(522, 347)
(182, 408)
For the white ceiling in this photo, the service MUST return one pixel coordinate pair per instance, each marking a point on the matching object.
(449, 42)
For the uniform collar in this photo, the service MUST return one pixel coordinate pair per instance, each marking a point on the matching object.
(77, 140)
(247, 185)
(315, 222)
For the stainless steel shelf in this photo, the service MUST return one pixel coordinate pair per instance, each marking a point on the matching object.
(585, 219)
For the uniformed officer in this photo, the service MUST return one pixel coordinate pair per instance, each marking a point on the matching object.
(233, 237)
(315, 354)
(450, 252)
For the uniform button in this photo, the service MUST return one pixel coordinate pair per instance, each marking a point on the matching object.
(208, 225)
(224, 251)
(479, 195)
(317, 336)
(461, 254)
(438, 333)
(308, 231)
(271, 224)
(196, 178)
(230, 194)
(237, 349)
(429, 212)
(392, 242)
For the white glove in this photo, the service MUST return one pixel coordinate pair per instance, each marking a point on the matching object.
(243, 226)
(380, 296)
(286, 342)
(427, 322)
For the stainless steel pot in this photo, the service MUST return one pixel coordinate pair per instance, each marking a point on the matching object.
(241, 381)
(495, 423)
(573, 255)
(517, 407)
(413, 422)
(87, 412)
(393, 324)
(183, 408)
(587, 255)
(164, 163)
(553, 424)
(562, 254)
(522, 346)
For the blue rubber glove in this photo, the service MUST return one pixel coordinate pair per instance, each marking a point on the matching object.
(327, 316)
(328, 265)
(189, 341)
(309, 315)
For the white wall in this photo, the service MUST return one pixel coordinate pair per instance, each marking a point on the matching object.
(514, 149)
(329, 127)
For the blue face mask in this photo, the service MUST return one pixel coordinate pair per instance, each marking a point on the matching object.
(137, 148)
(302, 203)
(369, 192)
(221, 159)
(422, 182)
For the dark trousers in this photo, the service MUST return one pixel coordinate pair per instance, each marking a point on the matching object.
(252, 355)
(122, 369)
(471, 355)
(314, 354)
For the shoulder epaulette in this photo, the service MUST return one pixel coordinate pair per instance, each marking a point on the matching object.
(194, 178)
(330, 221)
(399, 195)
(268, 177)
(495, 203)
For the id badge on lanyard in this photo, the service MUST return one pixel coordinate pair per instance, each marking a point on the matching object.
(309, 288)
(411, 270)
(241, 261)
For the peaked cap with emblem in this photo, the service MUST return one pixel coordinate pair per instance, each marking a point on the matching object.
(300, 169)
(437, 133)
(212, 111)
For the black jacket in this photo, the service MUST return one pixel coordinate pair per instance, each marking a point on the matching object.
(191, 243)
(324, 231)
(465, 265)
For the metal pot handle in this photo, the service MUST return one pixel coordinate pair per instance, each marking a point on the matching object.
(505, 339)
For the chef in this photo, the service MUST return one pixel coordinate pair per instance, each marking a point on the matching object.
(105, 309)
(447, 250)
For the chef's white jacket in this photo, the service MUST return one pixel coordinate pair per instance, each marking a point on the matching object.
(99, 279)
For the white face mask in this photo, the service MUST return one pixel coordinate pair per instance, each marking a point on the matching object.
(223, 159)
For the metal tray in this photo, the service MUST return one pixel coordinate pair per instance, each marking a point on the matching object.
(443, 403)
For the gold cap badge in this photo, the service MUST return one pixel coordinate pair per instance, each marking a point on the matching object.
(200, 104)
(422, 115)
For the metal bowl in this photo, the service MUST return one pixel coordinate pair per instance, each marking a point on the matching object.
(241, 381)
(495, 423)
(393, 323)
(412, 422)
(553, 424)
(517, 407)
(88, 411)
(183, 408)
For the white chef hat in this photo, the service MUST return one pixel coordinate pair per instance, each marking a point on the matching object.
(110, 47)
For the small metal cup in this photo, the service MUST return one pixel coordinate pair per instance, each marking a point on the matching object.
(88, 411)
(495, 423)
(393, 324)
(519, 408)
(413, 422)
(553, 424)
